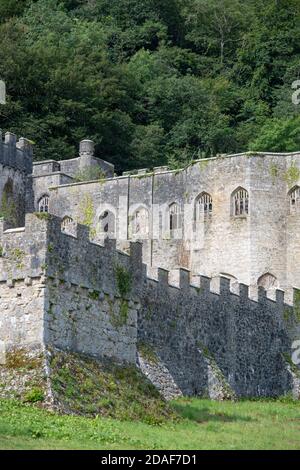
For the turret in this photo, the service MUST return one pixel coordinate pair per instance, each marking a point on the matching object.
(86, 153)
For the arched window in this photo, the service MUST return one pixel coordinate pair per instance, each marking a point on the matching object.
(140, 223)
(267, 281)
(203, 206)
(240, 202)
(174, 217)
(107, 223)
(68, 226)
(43, 204)
(294, 198)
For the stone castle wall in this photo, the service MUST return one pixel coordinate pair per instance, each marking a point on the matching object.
(15, 169)
(244, 248)
(193, 329)
(62, 291)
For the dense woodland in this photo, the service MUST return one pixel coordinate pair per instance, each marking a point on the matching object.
(153, 82)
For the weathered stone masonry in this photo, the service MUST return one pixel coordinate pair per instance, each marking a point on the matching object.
(65, 286)
(257, 248)
(65, 292)
(15, 178)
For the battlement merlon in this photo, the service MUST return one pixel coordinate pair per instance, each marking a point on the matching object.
(41, 248)
(16, 154)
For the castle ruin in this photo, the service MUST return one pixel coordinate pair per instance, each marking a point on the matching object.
(201, 265)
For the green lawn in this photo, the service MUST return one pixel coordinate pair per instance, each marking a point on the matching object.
(203, 424)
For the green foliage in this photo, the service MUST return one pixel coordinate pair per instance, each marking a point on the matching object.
(89, 174)
(8, 209)
(147, 352)
(151, 82)
(278, 135)
(42, 215)
(123, 279)
(87, 213)
(106, 389)
(292, 175)
(36, 394)
(297, 304)
(203, 424)
(94, 295)
(20, 359)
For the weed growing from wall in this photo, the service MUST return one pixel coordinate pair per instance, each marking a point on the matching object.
(87, 212)
(89, 174)
(123, 279)
(292, 175)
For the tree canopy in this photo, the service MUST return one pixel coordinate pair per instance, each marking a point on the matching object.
(152, 82)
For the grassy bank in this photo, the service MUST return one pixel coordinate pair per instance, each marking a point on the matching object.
(202, 424)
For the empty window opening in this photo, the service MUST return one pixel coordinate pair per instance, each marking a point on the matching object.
(68, 226)
(174, 217)
(240, 202)
(107, 223)
(267, 281)
(294, 196)
(203, 206)
(140, 223)
(43, 205)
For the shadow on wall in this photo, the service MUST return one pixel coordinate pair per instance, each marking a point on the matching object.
(10, 207)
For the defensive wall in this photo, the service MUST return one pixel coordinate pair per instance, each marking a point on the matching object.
(259, 248)
(15, 171)
(60, 290)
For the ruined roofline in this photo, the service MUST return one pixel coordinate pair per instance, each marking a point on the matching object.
(54, 173)
(34, 223)
(142, 173)
(50, 160)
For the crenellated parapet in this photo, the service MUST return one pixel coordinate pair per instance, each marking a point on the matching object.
(60, 289)
(16, 154)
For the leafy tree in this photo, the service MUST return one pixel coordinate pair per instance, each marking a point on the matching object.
(151, 81)
(278, 135)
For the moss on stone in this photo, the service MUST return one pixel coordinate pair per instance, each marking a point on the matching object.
(297, 304)
(42, 215)
(87, 212)
(287, 315)
(93, 295)
(292, 175)
(17, 255)
(274, 172)
(85, 385)
(34, 395)
(293, 366)
(90, 173)
(228, 392)
(123, 280)
(20, 359)
(147, 352)
(203, 164)
(118, 319)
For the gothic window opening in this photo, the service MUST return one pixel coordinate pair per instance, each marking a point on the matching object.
(43, 205)
(107, 223)
(268, 281)
(240, 202)
(140, 223)
(294, 196)
(174, 217)
(203, 206)
(68, 226)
